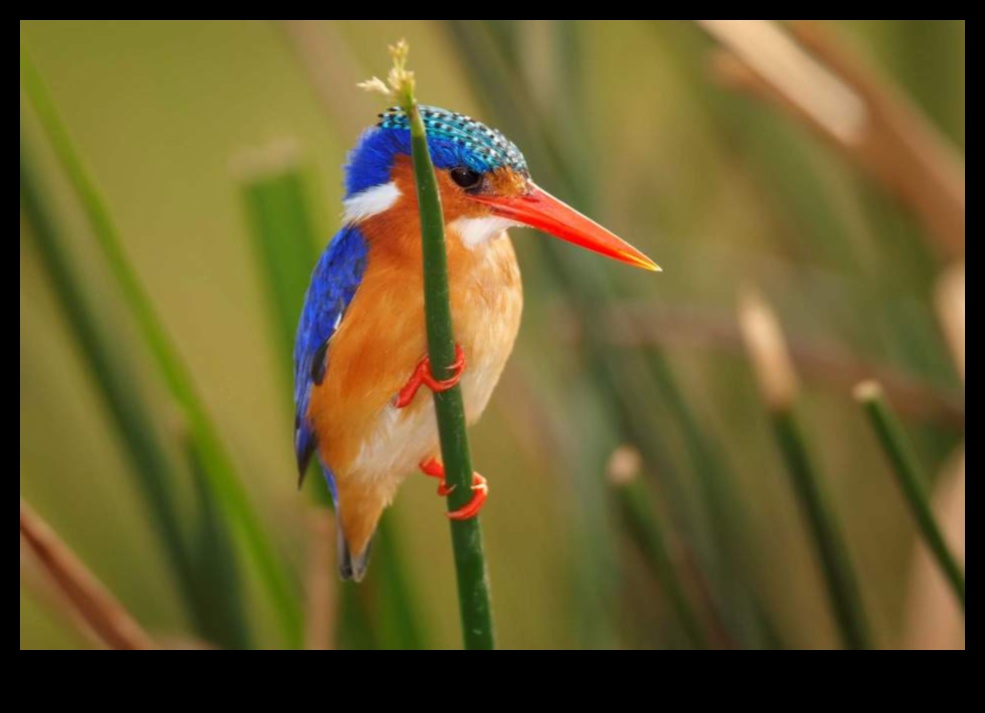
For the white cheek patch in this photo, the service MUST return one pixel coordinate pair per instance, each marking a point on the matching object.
(370, 202)
(477, 231)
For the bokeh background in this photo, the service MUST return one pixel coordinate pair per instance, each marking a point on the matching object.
(217, 147)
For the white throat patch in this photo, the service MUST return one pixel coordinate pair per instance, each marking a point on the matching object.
(370, 202)
(477, 231)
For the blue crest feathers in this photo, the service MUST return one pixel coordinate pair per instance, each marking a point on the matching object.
(454, 139)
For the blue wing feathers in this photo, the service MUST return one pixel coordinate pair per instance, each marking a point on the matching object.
(333, 285)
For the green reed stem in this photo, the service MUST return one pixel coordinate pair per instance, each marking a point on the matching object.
(912, 480)
(151, 464)
(470, 560)
(843, 589)
(283, 239)
(639, 512)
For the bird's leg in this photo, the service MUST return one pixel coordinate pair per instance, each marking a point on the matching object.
(422, 376)
(480, 489)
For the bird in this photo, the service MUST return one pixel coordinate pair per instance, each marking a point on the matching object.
(361, 367)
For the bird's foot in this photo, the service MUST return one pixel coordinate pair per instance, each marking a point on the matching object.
(480, 490)
(422, 376)
(434, 469)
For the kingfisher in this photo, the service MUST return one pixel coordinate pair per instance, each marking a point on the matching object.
(360, 357)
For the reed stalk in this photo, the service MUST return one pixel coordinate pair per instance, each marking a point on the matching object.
(103, 614)
(912, 481)
(466, 535)
(217, 465)
(151, 462)
(779, 387)
(636, 503)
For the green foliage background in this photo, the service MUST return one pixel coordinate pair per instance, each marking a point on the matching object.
(621, 118)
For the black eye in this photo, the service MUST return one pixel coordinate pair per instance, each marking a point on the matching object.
(465, 177)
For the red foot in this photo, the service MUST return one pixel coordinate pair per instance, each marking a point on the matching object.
(433, 469)
(422, 376)
(480, 490)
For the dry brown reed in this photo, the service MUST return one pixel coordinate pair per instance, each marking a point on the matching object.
(84, 595)
(814, 76)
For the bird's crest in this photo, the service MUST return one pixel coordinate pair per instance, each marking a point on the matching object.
(488, 148)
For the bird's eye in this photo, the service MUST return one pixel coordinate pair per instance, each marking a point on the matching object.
(465, 177)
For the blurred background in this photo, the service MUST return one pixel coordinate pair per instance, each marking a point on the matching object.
(641, 497)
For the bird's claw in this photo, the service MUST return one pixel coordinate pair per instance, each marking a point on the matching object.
(434, 469)
(480, 490)
(422, 376)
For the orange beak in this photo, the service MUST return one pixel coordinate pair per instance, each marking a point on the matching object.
(541, 210)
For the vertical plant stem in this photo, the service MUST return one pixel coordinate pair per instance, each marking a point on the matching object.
(840, 578)
(778, 384)
(911, 479)
(639, 512)
(282, 232)
(620, 378)
(220, 612)
(151, 464)
(216, 462)
(627, 386)
(732, 593)
(111, 374)
(282, 229)
(107, 618)
(470, 560)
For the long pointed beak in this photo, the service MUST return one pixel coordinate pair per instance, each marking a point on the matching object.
(539, 209)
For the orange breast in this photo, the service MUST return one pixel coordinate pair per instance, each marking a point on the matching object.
(382, 338)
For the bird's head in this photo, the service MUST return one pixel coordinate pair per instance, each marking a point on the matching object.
(483, 180)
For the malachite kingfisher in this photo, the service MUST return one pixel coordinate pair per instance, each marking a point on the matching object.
(361, 352)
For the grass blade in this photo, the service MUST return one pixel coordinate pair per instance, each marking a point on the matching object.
(200, 582)
(210, 452)
(628, 382)
(732, 594)
(911, 478)
(778, 384)
(147, 453)
(933, 620)
(838, 572)
(283, 238)
(220, 614)
(636, 503)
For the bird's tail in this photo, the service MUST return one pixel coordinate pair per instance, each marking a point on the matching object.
(352, 567)
(358, 513)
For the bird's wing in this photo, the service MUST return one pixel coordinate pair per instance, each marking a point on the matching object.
(333, 285)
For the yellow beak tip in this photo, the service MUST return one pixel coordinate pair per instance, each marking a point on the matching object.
(642, 261)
